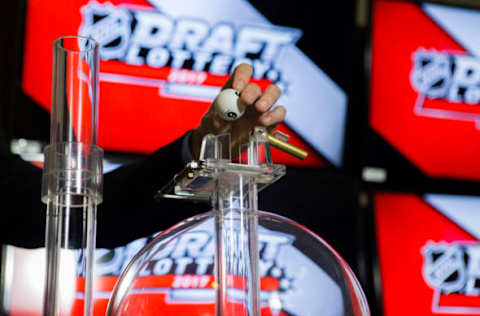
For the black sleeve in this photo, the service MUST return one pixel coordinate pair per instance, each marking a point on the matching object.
(128, 210)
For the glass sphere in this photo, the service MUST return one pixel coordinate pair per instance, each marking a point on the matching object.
(300, 274)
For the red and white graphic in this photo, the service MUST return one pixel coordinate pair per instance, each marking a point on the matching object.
(448, 85)
(179, 278)
(425, 87)
(163, 62)
(429, 253)
(452, 270)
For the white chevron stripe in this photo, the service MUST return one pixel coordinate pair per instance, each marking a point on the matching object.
(460, 23)
(461, 209)
(315, 104)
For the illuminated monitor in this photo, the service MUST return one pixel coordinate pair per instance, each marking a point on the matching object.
(424, 100)
(163, 62)
(427, 253)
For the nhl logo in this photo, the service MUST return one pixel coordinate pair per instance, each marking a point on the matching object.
(444, 267)
(432, 73)
(109, 26)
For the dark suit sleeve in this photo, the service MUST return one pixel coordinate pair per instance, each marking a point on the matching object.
(128, 210)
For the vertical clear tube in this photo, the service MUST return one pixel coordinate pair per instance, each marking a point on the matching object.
(237, 248)
(236, 226)
(72, 176)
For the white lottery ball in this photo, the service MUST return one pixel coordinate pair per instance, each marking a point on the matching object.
(228, 105)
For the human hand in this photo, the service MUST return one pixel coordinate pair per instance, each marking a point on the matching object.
(259, 112)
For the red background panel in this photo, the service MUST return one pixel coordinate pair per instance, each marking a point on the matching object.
(440, 147)
(405, 224)
(132, 118)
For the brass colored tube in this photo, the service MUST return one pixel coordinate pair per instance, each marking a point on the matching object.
(286, 147)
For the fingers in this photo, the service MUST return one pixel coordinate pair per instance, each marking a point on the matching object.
(274, 117)
(240, 77)
(250, 94)
(261, 113)
(271, 95)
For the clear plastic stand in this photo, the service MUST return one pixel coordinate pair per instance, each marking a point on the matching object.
(247, 267)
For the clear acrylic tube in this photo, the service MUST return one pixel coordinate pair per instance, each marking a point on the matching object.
(293, 259)
(236, 228)
(236, 258)
(72, 176)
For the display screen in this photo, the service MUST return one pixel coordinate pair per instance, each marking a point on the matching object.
(163, 62)
(425, 90)
(179, 278)
(428, 253)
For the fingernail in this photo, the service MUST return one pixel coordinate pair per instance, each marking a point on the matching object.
(262, 105)
(239, 84)
(248, 97)
(267, 120)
